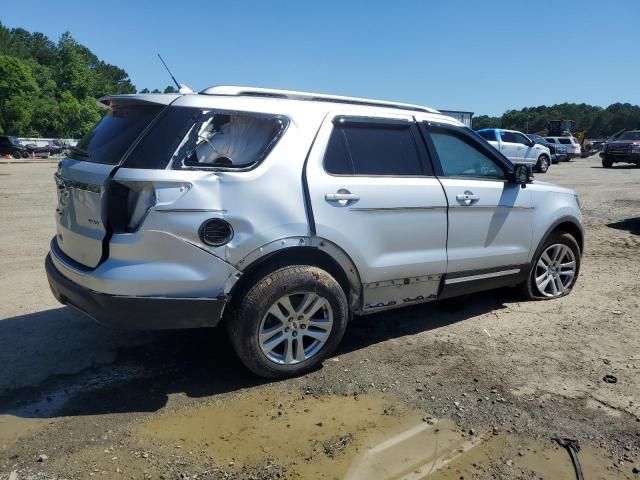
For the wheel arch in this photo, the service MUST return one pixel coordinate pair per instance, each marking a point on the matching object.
(300, 251)
(564, 224)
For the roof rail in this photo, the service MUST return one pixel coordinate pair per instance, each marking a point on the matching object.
(309, 96)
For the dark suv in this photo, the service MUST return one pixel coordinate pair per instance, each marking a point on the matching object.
(558, 152)
(11, 146)
(625, 149)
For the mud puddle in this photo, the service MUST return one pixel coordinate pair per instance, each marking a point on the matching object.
(354, 437)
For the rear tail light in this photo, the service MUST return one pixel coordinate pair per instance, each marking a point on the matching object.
(128, 204)
(215, 232)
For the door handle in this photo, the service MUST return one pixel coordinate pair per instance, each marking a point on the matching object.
(337, 197)
(467, 198)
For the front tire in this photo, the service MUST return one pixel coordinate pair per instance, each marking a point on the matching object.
(289, 322)
(607, 163)
(554, 269)
(543, 164)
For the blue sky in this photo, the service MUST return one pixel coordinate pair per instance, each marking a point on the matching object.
(482, 56)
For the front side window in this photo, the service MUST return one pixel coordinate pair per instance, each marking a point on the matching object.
(460, 158)
(372, 149)
(550, 140)
(522, 139)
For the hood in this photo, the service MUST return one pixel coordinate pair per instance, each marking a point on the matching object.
(624, 142)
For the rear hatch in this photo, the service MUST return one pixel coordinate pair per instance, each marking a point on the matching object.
(83, 178)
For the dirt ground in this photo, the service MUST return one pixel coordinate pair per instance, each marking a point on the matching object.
(473, 392)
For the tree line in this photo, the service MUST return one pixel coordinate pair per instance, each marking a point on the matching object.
(597, 122)
(49, 89)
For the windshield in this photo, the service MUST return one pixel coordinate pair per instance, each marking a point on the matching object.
(630, 135)
(114, 134)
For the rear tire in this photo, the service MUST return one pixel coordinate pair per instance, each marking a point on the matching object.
(554, 269)
(289, 322)
(543, 164)
(25, 154)
(607, 163)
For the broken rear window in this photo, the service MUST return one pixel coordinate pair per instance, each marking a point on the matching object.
(228, 140)
(196, 138)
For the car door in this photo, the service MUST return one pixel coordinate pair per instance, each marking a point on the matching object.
(509, 146)
(489, 218)
(373, 193)
(527, 150)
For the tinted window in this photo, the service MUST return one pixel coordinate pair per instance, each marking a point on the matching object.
(630, 136)
(114, 134)
(489, 135)
(336, 158)
(373, 149)
(522, 139)
(460, 158)
(565, 141)
(508, 137)
(550, 140)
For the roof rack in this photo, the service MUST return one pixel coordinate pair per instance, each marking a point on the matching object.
(308, 96)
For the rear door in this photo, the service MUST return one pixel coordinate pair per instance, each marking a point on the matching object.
(374, 194)
(82, 178)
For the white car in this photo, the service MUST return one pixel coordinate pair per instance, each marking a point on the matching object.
(517, 147)
(285, 213)
(571, 143)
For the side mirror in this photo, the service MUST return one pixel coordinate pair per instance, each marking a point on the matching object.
(522, 174)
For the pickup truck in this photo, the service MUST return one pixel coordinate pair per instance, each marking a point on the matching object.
(517, 147)
(625, 149)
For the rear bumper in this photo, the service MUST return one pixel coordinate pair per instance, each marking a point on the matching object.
(135, 313)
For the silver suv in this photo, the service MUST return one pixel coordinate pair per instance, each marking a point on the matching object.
(281, 214)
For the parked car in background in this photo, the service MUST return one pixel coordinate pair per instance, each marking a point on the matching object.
(379, 205)
(558, 152)
(573, 146)
(625, 149)
(517, 147)
(11, 146)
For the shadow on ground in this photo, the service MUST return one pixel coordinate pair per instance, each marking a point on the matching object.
(631, 225)
(197, 363)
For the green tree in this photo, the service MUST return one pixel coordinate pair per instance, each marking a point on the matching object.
(18, 89)
(170, 89)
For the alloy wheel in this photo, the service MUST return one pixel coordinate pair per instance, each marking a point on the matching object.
(555, 270)
(295, 328)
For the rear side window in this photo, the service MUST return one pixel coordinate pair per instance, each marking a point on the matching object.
(509, 137)
(550, 140)
(114, 134)
(194, 138)
(373, 149)
(488, 135)
(565, 141)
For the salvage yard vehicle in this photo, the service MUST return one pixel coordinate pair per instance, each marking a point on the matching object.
(281, 214)
(571, 143)
(625, 149)
(558, 152)
(11, 146)
(517, 147)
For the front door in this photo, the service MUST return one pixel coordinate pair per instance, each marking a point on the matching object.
(489, 218)
(373, 193)
(509, 146)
